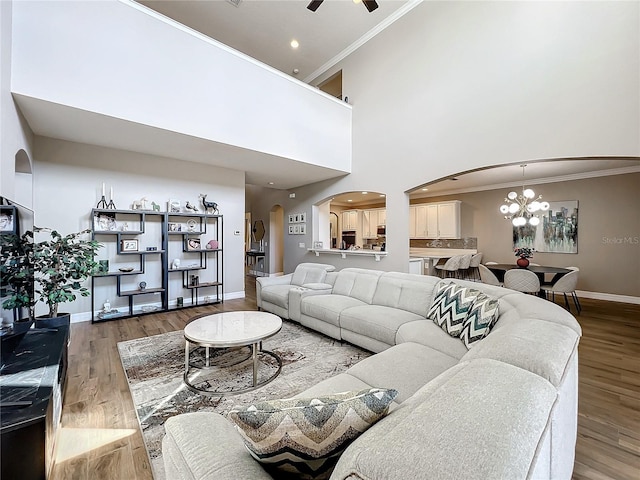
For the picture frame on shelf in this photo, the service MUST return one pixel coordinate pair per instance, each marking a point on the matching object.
(129, 245)
(7, 222)
(175, 227)
(173, 206)
(193, 244)
(105, 222)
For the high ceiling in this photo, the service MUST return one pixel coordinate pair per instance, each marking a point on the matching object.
(264, 29)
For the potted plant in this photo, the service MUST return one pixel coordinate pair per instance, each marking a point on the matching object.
(60, 264)
(16, 278)
(523, 254)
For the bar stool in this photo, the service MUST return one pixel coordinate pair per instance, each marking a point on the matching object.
(450, 267)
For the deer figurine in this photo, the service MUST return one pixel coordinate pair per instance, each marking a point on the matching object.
(209, 207)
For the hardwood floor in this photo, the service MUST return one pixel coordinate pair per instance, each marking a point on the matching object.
(100, 437)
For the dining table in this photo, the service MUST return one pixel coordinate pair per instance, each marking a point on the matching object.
(499, 270)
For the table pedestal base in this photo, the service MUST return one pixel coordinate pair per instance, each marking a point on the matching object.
(256, 352)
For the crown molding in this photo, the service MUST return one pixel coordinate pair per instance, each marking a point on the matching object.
(410, 5)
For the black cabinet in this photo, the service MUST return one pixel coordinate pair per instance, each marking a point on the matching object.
(32, 383)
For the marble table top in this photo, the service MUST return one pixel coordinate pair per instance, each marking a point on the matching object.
(232, 329)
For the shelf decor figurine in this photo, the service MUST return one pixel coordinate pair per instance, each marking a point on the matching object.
(139, 204)
(209, 207)
(212, 245)
(193, 208)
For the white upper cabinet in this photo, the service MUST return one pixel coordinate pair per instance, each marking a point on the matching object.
(350, 220)
(435, 220)
(370, 221)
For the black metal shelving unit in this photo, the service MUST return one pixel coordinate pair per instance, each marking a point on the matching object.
(191, 226)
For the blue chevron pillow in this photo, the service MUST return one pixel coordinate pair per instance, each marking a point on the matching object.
(480, 320)
(304, 437)
(451, 305)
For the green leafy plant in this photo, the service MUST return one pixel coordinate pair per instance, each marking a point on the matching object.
(16, 273)
(60, 265)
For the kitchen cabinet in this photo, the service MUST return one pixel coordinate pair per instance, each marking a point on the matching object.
(371, 219)
(350, 220)
(435, 220)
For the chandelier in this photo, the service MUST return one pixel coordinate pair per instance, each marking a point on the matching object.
(521, 208)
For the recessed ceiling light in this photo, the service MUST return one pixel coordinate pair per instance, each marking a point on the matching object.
(270, 183)
(453, 179)
(349, 200)
(294, 44)
(382, 195)
(425, 189)
(364, 193)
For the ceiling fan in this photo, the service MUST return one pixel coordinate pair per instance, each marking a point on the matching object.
(370, 4)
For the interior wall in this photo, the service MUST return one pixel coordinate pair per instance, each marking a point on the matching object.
(608, 229)
(454, 86)
(15, 134)
(68, 178)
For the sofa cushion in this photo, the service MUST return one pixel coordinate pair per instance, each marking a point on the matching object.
(451, 305)
(375, 321)
(310, 273)
(277, 295)
(306, 435)
(538, 346)
(405, 368)
(483, 421)
(203, 445)
(405, 291)
(480, 320)
(357, 283)
(327, 307)
(427, 333)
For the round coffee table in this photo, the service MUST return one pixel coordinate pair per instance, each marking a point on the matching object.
(228, 330)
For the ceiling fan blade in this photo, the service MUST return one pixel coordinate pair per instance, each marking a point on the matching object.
(370, 4)
(313, 6)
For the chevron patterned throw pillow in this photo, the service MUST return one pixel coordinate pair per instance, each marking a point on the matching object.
(304, 437)
(480, 320)
(450, 306)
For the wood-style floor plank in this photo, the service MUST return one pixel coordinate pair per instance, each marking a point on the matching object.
(98, 411)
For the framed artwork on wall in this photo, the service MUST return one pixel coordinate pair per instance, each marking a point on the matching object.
(291, 230)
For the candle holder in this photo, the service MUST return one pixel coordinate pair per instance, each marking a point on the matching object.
(111, 205)
(102, 203)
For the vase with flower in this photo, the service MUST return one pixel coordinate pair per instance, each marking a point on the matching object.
(523, 254)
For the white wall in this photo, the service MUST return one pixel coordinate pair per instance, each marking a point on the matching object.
(459, 85)
(68, 178)
(124, 61)
(14, 132)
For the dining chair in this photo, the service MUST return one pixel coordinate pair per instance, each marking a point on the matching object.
(487, 276)
(566, 284)
(473, 266)
(463, 266)
(450, 267)
(522, 280)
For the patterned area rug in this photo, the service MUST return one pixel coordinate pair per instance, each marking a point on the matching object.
(154, 367)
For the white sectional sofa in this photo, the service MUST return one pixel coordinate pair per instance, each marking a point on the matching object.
(505, 408)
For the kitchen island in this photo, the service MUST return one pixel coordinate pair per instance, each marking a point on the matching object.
(431, 256)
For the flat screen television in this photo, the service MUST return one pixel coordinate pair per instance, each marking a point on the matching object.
(15, 220)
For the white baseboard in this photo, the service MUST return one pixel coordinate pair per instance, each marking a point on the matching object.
(609, 297)
(86, 316)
